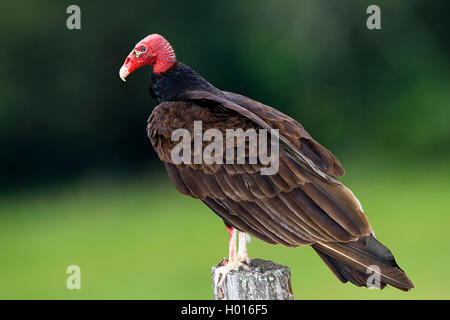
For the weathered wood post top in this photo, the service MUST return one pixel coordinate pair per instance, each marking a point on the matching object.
(264, 280)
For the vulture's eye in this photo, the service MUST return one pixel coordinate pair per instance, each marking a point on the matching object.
(139, 51)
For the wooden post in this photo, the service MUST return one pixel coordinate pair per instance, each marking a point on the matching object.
(265, 280)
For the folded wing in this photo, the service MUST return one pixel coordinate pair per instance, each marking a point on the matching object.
(301, 204)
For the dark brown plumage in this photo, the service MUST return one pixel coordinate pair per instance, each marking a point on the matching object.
(302, 204)
(295, 207)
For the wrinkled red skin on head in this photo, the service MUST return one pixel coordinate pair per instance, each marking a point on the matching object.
(158, 54)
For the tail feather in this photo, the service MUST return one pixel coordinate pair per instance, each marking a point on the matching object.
(345, 273)
(358, 260)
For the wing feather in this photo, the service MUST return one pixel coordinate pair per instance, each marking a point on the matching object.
(295, 206)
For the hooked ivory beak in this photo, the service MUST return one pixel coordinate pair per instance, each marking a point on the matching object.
(123, 73)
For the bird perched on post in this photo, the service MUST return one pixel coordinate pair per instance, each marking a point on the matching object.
(302, 203)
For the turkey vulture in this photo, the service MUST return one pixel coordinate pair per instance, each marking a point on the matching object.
(303, 203)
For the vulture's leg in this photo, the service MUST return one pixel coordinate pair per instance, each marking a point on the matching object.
(233, 262)
(242, 253)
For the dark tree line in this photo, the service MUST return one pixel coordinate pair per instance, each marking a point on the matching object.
(64, 110)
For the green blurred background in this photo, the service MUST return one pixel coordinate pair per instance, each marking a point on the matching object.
(80, 183)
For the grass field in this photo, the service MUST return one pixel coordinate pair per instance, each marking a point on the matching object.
(137, 238)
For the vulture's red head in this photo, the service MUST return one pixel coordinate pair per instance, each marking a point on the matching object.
(154, 51)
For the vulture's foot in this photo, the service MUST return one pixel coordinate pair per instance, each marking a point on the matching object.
(235, 261)
(231, 265)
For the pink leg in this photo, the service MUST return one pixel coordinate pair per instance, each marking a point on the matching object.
(242, 253)
(231, 244)
(233, 262)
